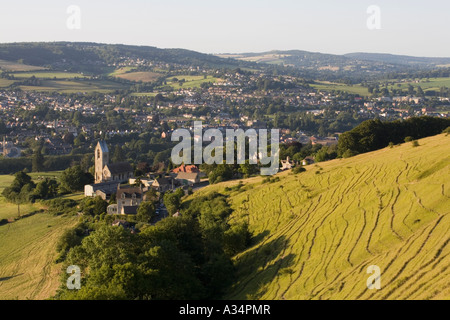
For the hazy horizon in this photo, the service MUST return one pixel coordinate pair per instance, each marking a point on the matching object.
(411, 28)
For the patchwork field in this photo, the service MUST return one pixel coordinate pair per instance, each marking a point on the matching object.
(316, 233)
(426, 84)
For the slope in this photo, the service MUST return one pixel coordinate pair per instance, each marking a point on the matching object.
(317, 232)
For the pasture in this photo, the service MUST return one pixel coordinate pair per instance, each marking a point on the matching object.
(316, 233)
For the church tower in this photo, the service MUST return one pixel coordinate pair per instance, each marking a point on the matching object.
(101, 159)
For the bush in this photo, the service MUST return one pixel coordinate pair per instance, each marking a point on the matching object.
(409, 139)
(298, 169)
(415, 143)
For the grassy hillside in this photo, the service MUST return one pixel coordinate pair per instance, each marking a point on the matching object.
(27, 256)
(317, 232)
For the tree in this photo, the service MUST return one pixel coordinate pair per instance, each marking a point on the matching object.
(74, 179)
(118, 155)
(146, 211)
(37, 162)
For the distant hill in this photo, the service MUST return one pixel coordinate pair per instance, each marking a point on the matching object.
(400, 59)
(352, 66)
(316, 233)
(95, 57)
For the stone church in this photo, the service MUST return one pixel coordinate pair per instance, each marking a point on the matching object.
(105, 171)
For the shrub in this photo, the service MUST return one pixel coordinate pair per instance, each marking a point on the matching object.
(409, 139)
(415, 143)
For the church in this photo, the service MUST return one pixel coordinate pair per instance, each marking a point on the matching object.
(104, 171)
(108, 176)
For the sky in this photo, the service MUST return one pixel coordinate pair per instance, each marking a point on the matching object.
(409, 27)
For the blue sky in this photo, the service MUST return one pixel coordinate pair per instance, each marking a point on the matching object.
(413, 27)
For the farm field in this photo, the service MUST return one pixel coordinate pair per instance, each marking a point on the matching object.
(330, 86)
(74, 86)
(27, 256)
(48, 75)
(190, 81)
(12, 66)
(144, 76)
(316, 233)
(426, 84)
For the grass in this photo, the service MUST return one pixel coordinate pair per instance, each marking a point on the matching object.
(10, 210)
(74, 86)
(144, 76)
(426, 84)
(330, 86)
(49, 75)
(5, 83)
(27, 256)
(316, 234)
(12, 66)
(190, 81)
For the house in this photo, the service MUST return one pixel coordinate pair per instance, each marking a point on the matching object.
(308, 161)
(287, 164)
(188, 178)
(106, 188)
(129, 199)
(161, 184)
(184, 168)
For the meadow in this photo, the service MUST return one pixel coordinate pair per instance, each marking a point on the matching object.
(426, 84)
(12, 66)
(190, 81)
(10, 210)
(330, 86)
(27, 256)
(48, 75)
(316, 233)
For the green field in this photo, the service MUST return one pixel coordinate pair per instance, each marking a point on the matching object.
(27, 256)
(330, 86)
(5, 83)
(12, 66)
(190, 81)
(316, 233)
(10, 210)
(48, 75)
(74, 86)
(426, 84)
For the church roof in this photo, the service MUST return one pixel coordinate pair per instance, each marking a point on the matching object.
(118, 168)
(103, 146)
